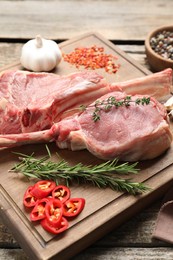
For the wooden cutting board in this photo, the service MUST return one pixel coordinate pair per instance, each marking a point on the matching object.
(105, 209)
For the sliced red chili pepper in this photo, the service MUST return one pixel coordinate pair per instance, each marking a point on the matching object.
(61, 193)
(53, 212)
(38, 211)
(63, 225)
(73, 207)
(43, 188)
(28, 199)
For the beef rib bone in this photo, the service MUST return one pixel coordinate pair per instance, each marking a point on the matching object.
(31, 102)
(130, 133)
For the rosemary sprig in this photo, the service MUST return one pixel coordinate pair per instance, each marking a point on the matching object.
(101, 175)
(107, 104)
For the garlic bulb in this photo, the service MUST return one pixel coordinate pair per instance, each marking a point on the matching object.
(40, 55)
(169, 104)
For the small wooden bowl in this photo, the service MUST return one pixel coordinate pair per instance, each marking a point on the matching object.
(156, 61)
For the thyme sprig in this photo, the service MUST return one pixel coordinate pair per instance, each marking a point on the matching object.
(107, 104)
(101, 175)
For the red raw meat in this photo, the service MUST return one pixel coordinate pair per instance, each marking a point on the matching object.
(136, 132)
(32, 102)
(130, 133)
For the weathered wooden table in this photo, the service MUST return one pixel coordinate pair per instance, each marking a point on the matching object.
(126, 24)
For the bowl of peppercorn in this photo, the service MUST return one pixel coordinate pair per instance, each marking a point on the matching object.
(159, 48)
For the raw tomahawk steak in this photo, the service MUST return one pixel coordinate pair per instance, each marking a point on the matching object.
(32, 102)
(135, 132)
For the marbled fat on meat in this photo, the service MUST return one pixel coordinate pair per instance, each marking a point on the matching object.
(32, 102)
(136, 132)
(39, 107)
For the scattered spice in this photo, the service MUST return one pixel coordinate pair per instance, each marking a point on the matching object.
(92, 57)
(162, 44)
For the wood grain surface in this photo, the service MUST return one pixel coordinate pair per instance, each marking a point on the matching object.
(105, 211)
(133, 240)
(126, 23)
(115, 19)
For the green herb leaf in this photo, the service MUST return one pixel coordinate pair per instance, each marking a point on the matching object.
(102, 175)
(107, 104)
